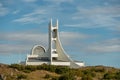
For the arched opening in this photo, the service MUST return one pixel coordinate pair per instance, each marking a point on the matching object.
(37, 50)
(53, 44)
(54, 33)
(54, 58)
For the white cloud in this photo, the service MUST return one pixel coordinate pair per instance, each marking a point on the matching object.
(73, 35)
(85, 25)
(36, 37)
(0, 4)
(36, 12)
(27, 37)
(29, 0)
(104, 48)
(16, 11)
(72, 38)
(42, 12)
(27, 20)
(3, 10)
(113, 41)
(58, 1)
(36, 16)
(107, 46)
(7, 48)
(97, 17)
(23, 42)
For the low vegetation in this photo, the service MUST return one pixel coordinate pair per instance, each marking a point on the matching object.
(50, 72)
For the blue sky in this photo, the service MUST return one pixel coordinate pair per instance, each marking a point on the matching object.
(89, 29)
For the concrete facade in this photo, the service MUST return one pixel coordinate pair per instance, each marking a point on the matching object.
(55, 55)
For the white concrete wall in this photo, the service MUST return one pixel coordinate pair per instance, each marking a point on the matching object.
(54, 55)
(36, 63)
(81, 64)
(32, 55)
(61, 63)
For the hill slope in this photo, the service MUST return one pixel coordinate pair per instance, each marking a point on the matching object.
(48, 72)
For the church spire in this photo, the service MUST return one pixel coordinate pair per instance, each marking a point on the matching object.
(57, 23)
(50, 22)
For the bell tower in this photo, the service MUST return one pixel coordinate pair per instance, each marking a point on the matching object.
(56, 53)
(56, 50)
(53, 32)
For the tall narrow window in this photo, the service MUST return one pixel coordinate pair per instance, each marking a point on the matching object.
(54, 33)
(53, 44)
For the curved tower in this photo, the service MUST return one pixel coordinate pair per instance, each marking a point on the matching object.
(56, 50)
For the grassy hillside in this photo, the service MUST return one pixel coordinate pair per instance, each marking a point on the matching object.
(49, 72)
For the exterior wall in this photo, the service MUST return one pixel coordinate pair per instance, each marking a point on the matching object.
(80, 64)
(53, 63)
(36, 63)
(54, 55)
(61, 63)
(32, 55)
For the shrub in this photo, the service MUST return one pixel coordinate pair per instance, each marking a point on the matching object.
(93, 74)
(26, 71)
(51, 68)
(117, 76)
(30, 68)
(47, 76)
(46, 67)
(24, 68)
(109, 76)
(61, 69)
(100, 70)
(86, 77)
(55, 78)
(21, 76)
(17, 66)
(67, 76)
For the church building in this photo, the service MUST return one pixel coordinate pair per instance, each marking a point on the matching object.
(55, 55)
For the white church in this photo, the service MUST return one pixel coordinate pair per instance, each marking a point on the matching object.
(55, 55)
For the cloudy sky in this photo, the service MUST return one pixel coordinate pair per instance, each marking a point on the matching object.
(89, 29)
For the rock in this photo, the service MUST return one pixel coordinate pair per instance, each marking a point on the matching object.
(1, 77)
